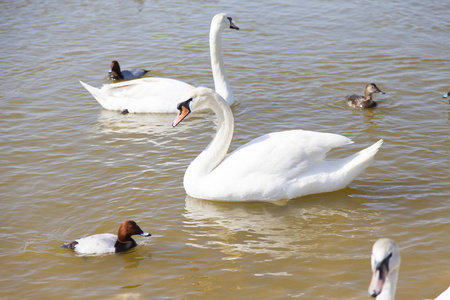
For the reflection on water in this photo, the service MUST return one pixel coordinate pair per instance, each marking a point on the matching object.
(279, 232)
(159, 125)
(114, 122)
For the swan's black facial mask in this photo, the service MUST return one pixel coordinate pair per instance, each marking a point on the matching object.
(379, 276)
(184, 111)
(232, 25)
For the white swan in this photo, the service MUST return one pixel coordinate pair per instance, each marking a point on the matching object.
(275, 166)
(385, 262)
(161, 95)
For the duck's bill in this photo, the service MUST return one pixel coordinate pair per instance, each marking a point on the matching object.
(145, 233)
(446, 95)
(184, 111)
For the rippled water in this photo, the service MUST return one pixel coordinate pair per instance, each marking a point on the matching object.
(71, 169)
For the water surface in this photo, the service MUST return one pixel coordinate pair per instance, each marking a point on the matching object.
(71, 169)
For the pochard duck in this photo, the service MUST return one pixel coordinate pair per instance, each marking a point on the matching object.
(446, 95)
(108, 242)
(117, 74)
(365, 101)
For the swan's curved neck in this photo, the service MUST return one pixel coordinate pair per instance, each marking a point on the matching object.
(389, 287)
(218, 67)
(216, 151)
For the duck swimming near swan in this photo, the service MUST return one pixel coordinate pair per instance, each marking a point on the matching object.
(385, 263)
(276, 166)
(108, 242)
(117, 74)
(365, 101)
(161, 95)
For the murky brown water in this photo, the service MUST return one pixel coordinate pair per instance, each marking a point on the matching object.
(71, 169)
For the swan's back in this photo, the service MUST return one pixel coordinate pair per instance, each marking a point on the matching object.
(289, 152)
(153, 94)
(275, 166)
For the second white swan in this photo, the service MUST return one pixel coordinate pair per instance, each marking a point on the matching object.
(273, 167)
(385, 263)
(161, 95)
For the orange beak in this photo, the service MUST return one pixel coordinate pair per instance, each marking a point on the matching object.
(184, 111)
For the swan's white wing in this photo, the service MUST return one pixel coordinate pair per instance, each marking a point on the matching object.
(158, 95)
(268, 166)
(287, 152)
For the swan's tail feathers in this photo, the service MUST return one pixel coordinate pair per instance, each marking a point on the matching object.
(358, 162)
(363, 157)
(98, 95)
(333, 175)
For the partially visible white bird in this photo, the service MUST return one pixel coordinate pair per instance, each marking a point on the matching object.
(385, 262)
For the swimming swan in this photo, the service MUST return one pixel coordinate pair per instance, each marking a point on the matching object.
(161, 95)
(385, 262)
(275, 166)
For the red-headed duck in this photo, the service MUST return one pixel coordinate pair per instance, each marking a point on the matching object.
(108, 242)
(446, 95)
(365, 101)
(117, 74)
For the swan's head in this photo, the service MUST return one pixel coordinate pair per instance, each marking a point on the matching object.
(385, 260)
(372, 88)
(196, 99)
(223, 21)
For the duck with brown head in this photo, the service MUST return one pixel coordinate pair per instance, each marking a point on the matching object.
(117, 74)
(365, 101)
(108, 242)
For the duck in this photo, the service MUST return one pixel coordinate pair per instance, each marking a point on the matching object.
(385, 263)
(273, 167)
(117, 74)
(447, 95)
(108, 242)
(161, 95)
(365, 101)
